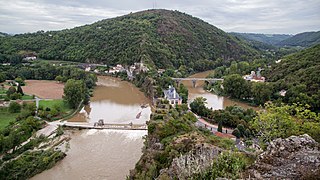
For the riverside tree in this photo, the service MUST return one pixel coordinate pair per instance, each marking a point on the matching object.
(75, 91)
(236, 87)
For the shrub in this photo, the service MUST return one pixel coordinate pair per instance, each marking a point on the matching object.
(14, 107)
(15, 96)
(236, 133)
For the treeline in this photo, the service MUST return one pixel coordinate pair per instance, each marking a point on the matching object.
(45, 71)
(160, 38)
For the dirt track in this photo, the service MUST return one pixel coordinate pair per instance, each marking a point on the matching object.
(44, 89)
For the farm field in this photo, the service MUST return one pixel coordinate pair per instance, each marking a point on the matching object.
(44, 89)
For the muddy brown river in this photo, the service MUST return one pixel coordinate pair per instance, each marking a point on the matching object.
(104, 154)
(213, 101)
(110, 154)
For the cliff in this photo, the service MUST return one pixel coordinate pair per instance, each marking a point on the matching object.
(296, 157)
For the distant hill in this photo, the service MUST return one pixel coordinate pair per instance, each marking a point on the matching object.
(301, 68)
(305, 39)
(3, 34)
(271, 39)
(159, 37)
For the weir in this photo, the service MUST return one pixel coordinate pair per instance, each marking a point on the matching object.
(129, 126)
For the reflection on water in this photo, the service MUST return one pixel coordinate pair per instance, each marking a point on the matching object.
(213, 101)
(105, 154)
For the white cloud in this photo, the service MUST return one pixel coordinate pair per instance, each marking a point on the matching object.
(264, 16)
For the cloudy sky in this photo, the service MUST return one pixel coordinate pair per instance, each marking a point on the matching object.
(260, 16)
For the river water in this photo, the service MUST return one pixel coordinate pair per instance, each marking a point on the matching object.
(104, 154)
(213, 101)
(110, 154)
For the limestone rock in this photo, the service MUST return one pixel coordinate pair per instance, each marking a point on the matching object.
(192, 162)
(296, 157)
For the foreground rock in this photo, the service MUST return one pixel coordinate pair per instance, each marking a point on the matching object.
(297, 157)
(195, 161)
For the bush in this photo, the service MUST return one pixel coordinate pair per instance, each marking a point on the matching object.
(227, 165)
(236, 133)
(241, 129)
(14, 107)
(15, 96)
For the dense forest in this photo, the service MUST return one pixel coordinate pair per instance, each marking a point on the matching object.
(158, 37)
(306, 39)
(298, 73)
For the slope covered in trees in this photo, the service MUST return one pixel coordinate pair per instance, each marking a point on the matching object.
(159, 37)
(306, 39)
(299, 75)
(271, 39)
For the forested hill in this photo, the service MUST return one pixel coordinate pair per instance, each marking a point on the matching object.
(271, 39)
(306, 39)
(299, 74)
(3, 34)
(159, 37)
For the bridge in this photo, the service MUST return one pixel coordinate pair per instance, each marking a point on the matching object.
(86, 125)
(194, 80)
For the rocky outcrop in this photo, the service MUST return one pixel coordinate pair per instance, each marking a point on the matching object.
(193, 162)
(297, 157)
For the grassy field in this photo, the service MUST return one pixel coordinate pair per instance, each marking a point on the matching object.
(6, 117)
(26, 97)
(64, 109)
(52, 103)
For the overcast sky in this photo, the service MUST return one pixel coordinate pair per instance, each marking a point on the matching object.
(259, 16)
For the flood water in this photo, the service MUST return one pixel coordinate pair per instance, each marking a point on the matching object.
(213, 101)
(104, 154)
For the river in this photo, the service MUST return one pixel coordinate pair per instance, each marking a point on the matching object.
(213, 101)
(110, 154)
(104, 154)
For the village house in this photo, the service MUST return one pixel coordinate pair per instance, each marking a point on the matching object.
(116, 69)
(172, 96)
(283, 92)
(30, 58)
(254, 77)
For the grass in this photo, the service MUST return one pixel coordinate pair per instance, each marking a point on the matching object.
(55, 103)
(26, 97)
(64, 109)
(6, 117)
(3, 91)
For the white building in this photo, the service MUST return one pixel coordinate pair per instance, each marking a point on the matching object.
(172, 96)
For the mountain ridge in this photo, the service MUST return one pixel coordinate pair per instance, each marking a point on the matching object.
(305, 39)
(159, 37)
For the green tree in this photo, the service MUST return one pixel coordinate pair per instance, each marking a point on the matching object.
(2, 77)
(220, 126)
(14, 107)
(20, 81)
(274, 122)
(11, 90)
(198, 106)
(236, 133)
(19, 90)
(261, 92)
(236, 87)
(59, 78)
(183, 92)
(75, 92)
